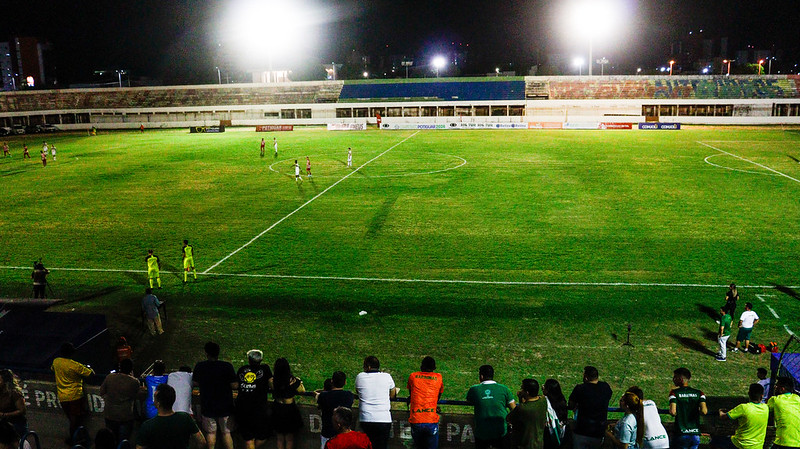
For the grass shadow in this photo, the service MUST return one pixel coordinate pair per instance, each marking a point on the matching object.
(709, 334)
(379, 220)
(709, 311)
(787, 291)
(93, 295)
(693, 344)
(139, 278)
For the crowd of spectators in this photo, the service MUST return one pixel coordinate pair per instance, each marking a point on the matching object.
(533, 418)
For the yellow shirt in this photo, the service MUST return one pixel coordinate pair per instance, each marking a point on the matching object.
(69, 378)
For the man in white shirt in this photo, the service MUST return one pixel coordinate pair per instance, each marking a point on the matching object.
(181, 381)
(375, 390)
(746, 323)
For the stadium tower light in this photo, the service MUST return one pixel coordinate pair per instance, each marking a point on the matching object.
(671, 63)
(438, 63)
(578, 62)
(594, 20)
(760, 66)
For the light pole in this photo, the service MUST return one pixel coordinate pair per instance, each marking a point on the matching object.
(769, 71)
(579, 62)
(726, 61)
(438, 63)
(671, 63)
(602, 61)
(407, 63)
(119, 74)
(760, 66)
(219, 75)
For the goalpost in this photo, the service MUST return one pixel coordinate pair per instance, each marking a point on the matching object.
(787, 363)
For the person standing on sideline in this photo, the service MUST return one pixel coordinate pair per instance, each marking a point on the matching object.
(153, 268)
(150, 305)
(724, 333)
(120, 391)
(763, 380)
(216, 381)
(686, 404)
(747, 321)
(252, 402)
(308, 167)
(141, 128)
(330, 400)
(188, 261)
(655, 435)
(286, 418)
(375, 390)
(731, 299)
(181, 381)
(275, 145)
(752, 418)
(297, 171)
(39, 276)
(425, 387)
(528, 420)
(346, 438)
(69, 388)
(590, 401)
(491, 402)
(349, 157)
(263, 147)
(786, 407)
(168, 430)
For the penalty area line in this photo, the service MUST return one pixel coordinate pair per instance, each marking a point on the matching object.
(423, 281)
(748, 160)
(208, 270)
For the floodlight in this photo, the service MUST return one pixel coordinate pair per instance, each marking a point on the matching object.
(439, 62)
(593, 20)
(365, 74)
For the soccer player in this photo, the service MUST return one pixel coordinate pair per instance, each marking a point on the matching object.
(349, 157)
(44, 158)
(153, 267)
(53, 151)
(188, 261)
(275, 145)
(263, 146)
(25, 153)
(297, 171)
(6, 152)
(45, 148)
(308, 167)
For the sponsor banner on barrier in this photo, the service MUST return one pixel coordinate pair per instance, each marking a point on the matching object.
(545, 125)
(659, 125)
(454, 125)
(581, 125)
(347, 126)
(270, 128)
(614, 125)
(207, 129)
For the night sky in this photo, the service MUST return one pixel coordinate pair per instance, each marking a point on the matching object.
(172, 40)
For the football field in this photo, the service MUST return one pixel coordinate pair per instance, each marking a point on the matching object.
(528, 250)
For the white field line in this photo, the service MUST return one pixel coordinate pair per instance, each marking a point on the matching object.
(707, 161)
(789, 330)
(761, 298)
(748, 160)
(463, 162)
(420, 281)
(306, 204)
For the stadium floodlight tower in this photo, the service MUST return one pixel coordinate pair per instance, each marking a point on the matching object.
(579, 62)
(438, 63)
(593, 20)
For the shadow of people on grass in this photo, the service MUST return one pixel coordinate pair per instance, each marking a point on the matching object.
(710, 311)
(693, 344)
(787, 291)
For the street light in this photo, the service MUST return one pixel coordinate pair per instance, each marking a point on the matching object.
(497, 71)
(579, 62)
(602, 61)
(671, 63)
(728, 61)
(119, 74)
(219, 75)
(760, 66)
(438, 63)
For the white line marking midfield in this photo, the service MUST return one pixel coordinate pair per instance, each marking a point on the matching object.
(748, 160)
(422, 281)
(306, 204)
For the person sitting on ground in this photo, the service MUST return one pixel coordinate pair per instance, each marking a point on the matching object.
(655, 435)
(169, 429)
(346, 437)
(786, 407)
(752, 418)
(628, 432)
(12, 403)
(529, 418)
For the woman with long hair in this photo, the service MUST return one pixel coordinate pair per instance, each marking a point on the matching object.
(286, 417)
(629, 431)
(12, 404)
(655, 435)
(556, 414)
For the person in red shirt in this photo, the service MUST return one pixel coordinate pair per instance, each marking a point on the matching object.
(424, 390)
(346, 438)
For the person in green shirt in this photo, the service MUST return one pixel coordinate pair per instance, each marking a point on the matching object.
(168, 429)
(786, 407)
(153, 267)
(528, 420)
(752, 419)
(725, 322)
(492, 402)
(686, 404)
(188, 260)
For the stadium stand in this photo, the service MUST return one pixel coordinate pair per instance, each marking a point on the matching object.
(434, 91)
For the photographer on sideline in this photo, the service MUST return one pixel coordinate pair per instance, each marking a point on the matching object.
(39, 277)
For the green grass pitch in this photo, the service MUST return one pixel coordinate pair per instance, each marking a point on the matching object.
(534, 228)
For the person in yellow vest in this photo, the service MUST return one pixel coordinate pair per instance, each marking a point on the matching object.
(153, 267)
(69, 387)
(188, 261)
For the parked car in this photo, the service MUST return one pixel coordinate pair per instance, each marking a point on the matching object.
(4, 130)
(48, 128)
(17, 129)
